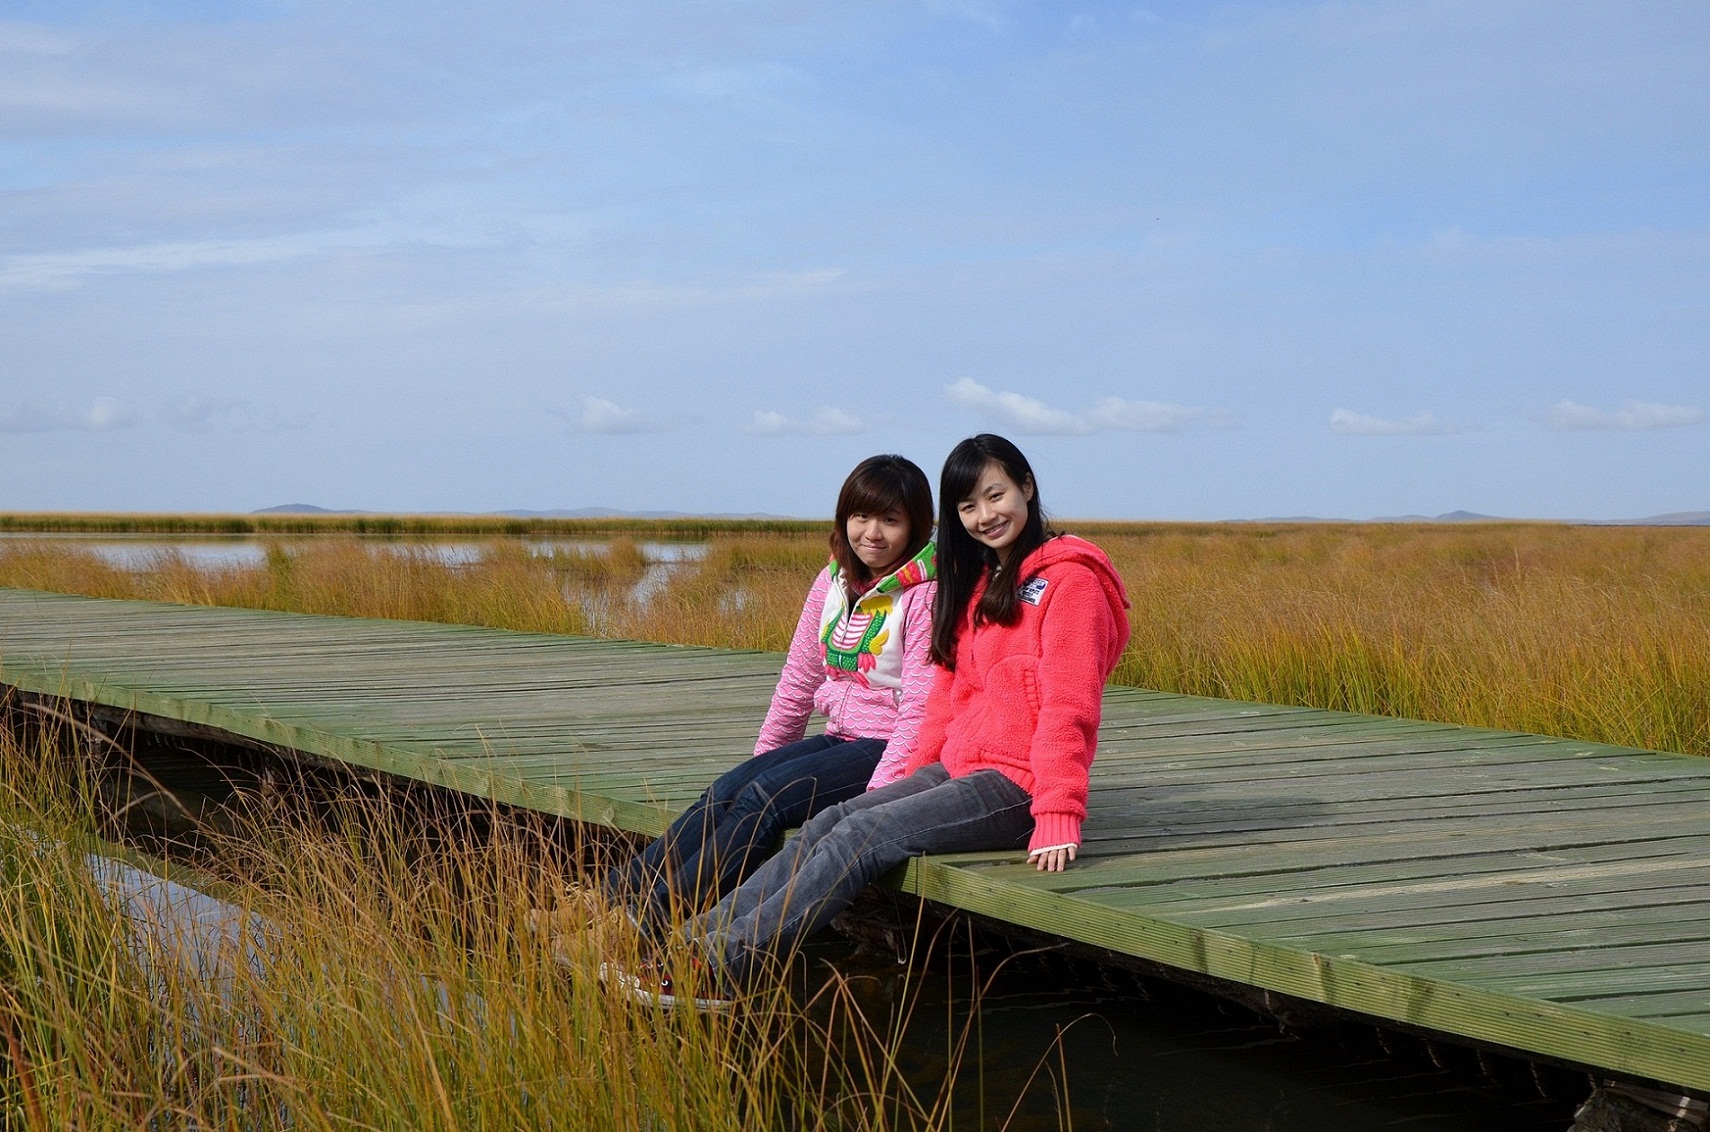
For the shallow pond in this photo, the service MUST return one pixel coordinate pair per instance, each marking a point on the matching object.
(145, 552)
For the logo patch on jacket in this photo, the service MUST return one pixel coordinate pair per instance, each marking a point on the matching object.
(1033, 591)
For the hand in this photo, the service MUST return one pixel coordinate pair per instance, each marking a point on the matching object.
(1052, 858)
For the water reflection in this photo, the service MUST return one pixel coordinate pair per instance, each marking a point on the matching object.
(1060, 1043)
(147, 552)
(140, 553)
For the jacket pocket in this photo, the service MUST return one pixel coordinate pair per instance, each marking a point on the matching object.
(1012, 703)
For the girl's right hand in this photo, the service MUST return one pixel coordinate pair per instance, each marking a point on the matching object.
(1052, 858)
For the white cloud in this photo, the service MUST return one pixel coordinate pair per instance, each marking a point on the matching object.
(994, 15)
(1148, 416)
(1349, 423)
(106, 413)
(1114, 414)
(103, 414)
(1632, 416)
(827, 421)
(27, 39)
(197, 412)
(58, 270)
(612, 419)
(1024, 414)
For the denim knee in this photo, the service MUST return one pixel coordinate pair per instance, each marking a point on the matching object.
(752, 799)
(714, 797)
(823, 822)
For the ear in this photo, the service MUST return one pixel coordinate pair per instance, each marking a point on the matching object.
(1027, 490)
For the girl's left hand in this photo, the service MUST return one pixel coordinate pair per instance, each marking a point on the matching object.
(1052, 858)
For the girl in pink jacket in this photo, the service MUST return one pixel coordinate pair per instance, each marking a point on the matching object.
(1027, 628)
(859, 658)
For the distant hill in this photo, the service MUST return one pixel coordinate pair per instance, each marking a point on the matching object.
(1292, 519)
(614, 513)
(304, 509)
(1672, 519)
(1446, 517)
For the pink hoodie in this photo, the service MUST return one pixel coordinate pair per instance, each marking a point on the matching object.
(885, 696)
(1025, 699)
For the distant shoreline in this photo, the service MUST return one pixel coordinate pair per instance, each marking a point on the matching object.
(279, 521)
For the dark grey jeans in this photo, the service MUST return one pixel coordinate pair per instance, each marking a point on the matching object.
(732, 828)
(821, 870)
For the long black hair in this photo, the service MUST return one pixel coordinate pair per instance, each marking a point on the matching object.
(962, 558)
(877, 485)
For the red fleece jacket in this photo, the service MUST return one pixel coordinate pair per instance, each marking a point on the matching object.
(1025, 699)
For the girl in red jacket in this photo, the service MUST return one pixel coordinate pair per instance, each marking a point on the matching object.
(1027, 627)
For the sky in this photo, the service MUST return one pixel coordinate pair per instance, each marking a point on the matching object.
(1199, 260)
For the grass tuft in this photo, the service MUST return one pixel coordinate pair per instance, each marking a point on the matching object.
(396, 978)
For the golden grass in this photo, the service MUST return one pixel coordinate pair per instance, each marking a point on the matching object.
(1592, 633)
(398, 985)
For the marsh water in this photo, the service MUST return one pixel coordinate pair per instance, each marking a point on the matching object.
(1140, 1053)
(144, 552)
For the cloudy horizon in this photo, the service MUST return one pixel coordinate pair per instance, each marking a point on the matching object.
(1201, 261)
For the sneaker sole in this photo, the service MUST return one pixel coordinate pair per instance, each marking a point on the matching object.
(671, 1002)
(636, 988)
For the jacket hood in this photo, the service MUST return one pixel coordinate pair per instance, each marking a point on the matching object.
(1068, 548)
(923, 567)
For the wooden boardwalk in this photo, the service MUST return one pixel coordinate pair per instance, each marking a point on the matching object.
(1542, 894)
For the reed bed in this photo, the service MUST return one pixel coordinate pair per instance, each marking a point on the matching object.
(393, 980)
(1585, 632)
(1590, 633)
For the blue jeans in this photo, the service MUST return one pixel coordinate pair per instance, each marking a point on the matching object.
(843, 849)
(736, 824)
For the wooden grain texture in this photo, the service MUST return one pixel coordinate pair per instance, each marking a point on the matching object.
(1544, 894)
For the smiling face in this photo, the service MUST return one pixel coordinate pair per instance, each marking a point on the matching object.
(995, 512)
(878, 540)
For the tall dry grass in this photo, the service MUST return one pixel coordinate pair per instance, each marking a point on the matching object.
(1585, 632)
(1592, 633)
(392, 982)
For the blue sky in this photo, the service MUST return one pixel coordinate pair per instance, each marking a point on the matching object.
(1200, 260)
